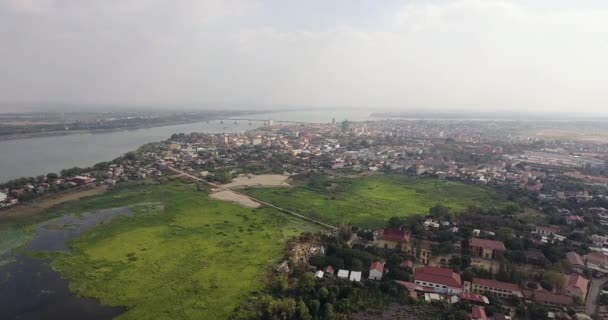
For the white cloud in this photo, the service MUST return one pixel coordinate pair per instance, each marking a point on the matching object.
(448, 54)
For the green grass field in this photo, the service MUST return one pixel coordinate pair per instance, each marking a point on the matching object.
(370, 201)
(195, 258)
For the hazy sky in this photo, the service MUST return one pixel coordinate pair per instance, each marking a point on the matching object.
(449, 55)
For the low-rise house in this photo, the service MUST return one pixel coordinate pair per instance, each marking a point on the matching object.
(499, 288)
(600, 241)
(549, 299)
(319, 274)
(545, 231)
(343, 274)
(392, 239)
(376, 270)
(474, 298)
(596, 261)
(355, 276)
(575, 262)
(329, 271)
(577, 286)
(478, 313)
(441, 280)
(574, 219)
(488, 249)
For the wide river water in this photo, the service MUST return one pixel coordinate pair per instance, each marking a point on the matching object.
(35, 156)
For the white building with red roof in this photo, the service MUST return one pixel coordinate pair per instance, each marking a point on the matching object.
(376, 270)
(499, 288)
(391, 239)
(441, 280)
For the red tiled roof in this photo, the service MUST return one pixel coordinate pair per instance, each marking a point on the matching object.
(438, 275)
(578, 282)
(395, 235)
(473, 297)
(495, 284)
(488, 244)
(574, 258)
(409, 285)
(330, 269)
(596, 257)
(377, 266)
(479, 313)
(553, 298)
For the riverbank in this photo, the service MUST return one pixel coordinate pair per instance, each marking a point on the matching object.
(95, 131)
(26, 210)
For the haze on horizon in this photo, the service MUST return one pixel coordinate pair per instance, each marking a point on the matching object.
(487, 55)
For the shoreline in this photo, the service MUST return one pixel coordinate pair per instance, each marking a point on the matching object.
(34, 135)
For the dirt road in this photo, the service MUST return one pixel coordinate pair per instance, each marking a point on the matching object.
(594, 294)
(292, 213)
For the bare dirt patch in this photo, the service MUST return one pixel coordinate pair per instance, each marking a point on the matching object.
(231, 196)
(263, 180)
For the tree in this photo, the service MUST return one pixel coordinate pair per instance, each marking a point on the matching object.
(439, 211)
(306, 283)
(302, 311)
(52, 176)
(328, 312)
(281, 284)
(314, 306)
(554, 279)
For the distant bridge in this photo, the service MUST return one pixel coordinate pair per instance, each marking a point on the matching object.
(265, 121)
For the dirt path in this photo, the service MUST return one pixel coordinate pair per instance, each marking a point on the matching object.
(594, 293)
(295, 214)
(38, 206)
(262, 180)
(231, 196)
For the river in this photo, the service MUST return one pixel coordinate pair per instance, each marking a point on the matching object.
(41, 155)
(30, 289)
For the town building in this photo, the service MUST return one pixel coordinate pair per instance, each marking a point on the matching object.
(577, 286)
(488, 249)
(441, 280)
(499, 288)
(596, 261)
(376, 270)
(478, 313)
(355, 276)
(392, 239)
(575, 262)
(549, 299)
(343, 274)
(545, 231)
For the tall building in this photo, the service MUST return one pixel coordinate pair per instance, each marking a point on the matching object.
(345, 126)
(333, 121)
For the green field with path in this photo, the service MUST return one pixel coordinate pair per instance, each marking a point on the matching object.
(185, 257)
(371, 201)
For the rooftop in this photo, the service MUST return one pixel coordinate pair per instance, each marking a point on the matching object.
(488, 244)
(438, 275)
(495, 284)
(394, 235)
(574, 258)
(377, 265)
